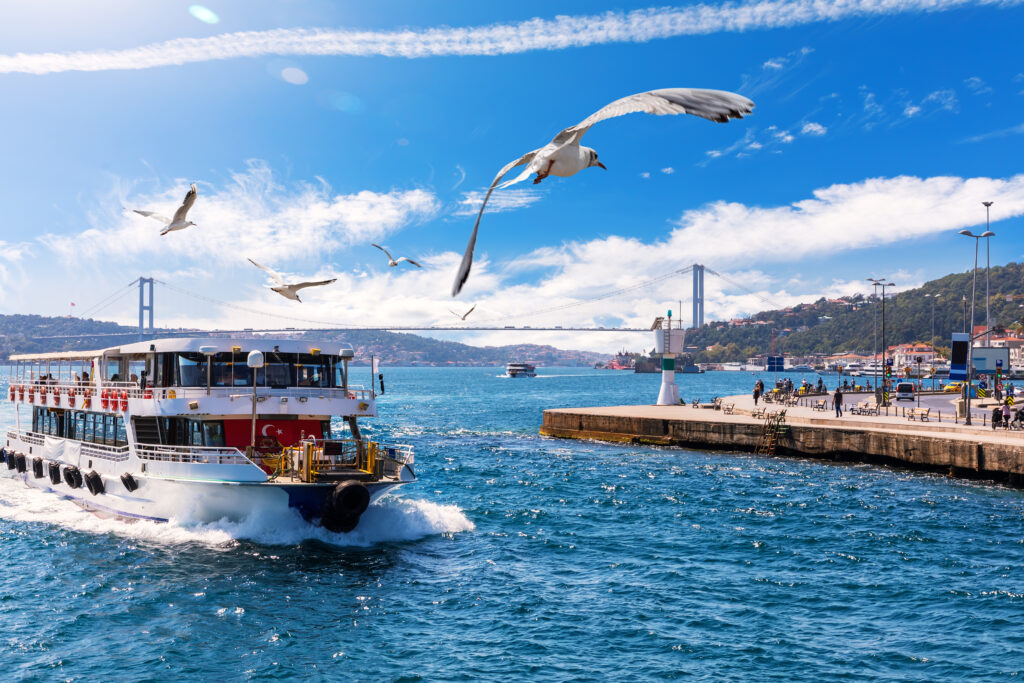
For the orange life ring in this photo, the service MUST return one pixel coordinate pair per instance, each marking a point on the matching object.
(124, 400)
(148, 392)
(104, 401)
(21, 392)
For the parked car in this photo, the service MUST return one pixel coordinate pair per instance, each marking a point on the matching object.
(905, 391)
(954, 387)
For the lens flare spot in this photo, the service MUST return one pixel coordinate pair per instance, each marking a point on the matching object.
(203, 14)
(346, 102)
(294, 75)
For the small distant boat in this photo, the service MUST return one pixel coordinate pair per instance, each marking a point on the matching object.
(520, 370)
(801, 368)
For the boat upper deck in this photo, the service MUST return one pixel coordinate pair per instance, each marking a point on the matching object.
(193, 375)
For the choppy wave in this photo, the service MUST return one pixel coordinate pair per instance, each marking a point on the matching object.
(389, 520)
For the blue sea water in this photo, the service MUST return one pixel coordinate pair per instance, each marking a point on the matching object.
(518, 557)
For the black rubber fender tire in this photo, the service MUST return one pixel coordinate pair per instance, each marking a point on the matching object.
(350, 498)
(129, 482)
(37, 467)
(9, 459)
(344, 506)
(20, 463)
(94, 482)
(54, 472)
(72, 476)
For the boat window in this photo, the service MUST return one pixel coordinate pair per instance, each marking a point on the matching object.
(281, 370)
(213, 434)
(195, 433)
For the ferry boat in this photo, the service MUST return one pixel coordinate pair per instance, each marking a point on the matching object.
(202, 430)
(520, 370)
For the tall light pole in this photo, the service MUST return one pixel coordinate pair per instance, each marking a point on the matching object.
(970, 332)
(988, 233)
(880, 282)
(874, 343)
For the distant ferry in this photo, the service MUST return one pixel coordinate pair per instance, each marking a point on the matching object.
(520, 370)
(206, 429)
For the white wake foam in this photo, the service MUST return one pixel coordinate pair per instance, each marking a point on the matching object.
(388, 520)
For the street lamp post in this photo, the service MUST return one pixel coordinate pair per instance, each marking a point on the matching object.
(970, 334)
(880, 282)
(988, 233)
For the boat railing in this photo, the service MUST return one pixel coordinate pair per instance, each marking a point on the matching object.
(86, 395)
(311, 459)
(33, 438)
(197, 455)
(88, 448)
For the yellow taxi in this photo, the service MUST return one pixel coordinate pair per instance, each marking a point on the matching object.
(952, 387)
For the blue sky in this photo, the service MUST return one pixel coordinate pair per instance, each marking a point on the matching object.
(315, 128)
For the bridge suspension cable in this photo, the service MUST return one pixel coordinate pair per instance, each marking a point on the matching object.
(113, 298)
(246, 309)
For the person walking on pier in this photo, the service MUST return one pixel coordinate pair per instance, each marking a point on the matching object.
(837, 401)
(757, 392)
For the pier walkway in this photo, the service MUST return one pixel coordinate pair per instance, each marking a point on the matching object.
(947, 446)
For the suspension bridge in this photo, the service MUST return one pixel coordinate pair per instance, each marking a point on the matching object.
(146, 329)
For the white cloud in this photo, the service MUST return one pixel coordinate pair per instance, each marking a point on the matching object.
(254, 215)
(500, 201)
(977, 86)
(834, 220)
(755, 146)
(944, 99)
(645, 175)
(812, 128)
(561, 32)
(774, 64)
(784, 136)
(1013, 130)
(713, 153)
(911, 110)
(668, 170)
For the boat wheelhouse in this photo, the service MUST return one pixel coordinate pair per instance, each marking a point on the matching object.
(200, 429)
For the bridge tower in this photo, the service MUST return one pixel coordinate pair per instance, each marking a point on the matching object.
(143, 307)
(698, 295)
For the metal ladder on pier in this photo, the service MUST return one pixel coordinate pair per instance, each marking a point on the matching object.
(774, 426)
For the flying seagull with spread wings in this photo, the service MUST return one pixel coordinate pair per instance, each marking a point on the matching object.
(289, 291)
(564, 156)
(392, 261)
(178, 222)
(464, 315)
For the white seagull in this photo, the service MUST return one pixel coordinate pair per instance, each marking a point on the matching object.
(564, 156)
(464, 315)
(392, 261)
(286, 290)
(178, 222)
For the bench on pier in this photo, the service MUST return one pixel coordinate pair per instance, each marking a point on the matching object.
(821, 405)
(728, 408)
(864, 408)
(918, 414)
(758, 412)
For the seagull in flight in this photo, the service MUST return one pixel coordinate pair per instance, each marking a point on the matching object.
(178, 222)
(464, 315)
(565, 156)
(392, 261)
(289, 291)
